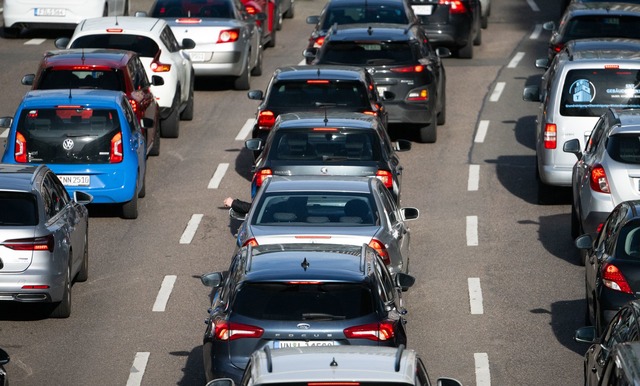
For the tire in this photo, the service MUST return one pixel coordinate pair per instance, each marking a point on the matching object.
(478, 39)
(257, 70)
(10, 33)
(279, 17)
(442, 114)
(62, 309)
(272, 41)
(243, 82)
(187, 113)
(484, 22)
(83, 274)
(466, 52)
(155, 149)
(170, 126)
(428, 133)
(291, 11)
(143, 190)
(130, 208)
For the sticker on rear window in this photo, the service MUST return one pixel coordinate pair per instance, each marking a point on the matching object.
(582, 91)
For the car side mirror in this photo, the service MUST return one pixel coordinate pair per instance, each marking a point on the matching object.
(531, 94)
(4, 357)
(140, 14)
(549, 26)
(448, 382)
(188, 44)
(314, 19)
(584, 242)
(572, 146)
(82, 197)
(254, 144)
(237, 216)
(405, 281)
(402, 145)
(542, 63)
(6, 122)
(586, 335)
(410, 213)
(310, 53)
(221, 382)
(255, 95)
(157, 80)
(443, 52)
(213, 279)
(27, 80)
(146, 123)
(62, 43)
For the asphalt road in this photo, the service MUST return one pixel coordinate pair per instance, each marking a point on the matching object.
(499, 292)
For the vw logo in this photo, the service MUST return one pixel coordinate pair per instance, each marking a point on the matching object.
(324, 170)
(304, 326)
(67, 144)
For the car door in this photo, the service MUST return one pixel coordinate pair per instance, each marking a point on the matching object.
(582, 169)
(132, 134)
(391, 297)
(181, 60)
(58, 221)
(398, 233)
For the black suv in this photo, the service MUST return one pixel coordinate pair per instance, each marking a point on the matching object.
(300, 295)
(407, 71)
(315, 88)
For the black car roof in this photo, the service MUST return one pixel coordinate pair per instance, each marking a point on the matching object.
(377, 31)
(319, 72)
(596, 8)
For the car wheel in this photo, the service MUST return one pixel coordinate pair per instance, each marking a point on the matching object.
(272, 41)
(207, 347)
(279, 17)
(291, 11)
(257, 70)
(143, 190)
(170, 126)
(575, 223)
(10, 33)
(428, 133)
(484, 22)
(442, 114)
(130, 208)
(243, 82)
(155, 149)
(187, 113)
(466, 52)
(62, 309)
(83, 274)
(478, 39)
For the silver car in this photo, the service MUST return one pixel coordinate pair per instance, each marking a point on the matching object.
(330, 210)
(607, 172)
(43, 237)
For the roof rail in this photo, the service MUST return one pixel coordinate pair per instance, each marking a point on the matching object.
(267, 352)
(398, 356)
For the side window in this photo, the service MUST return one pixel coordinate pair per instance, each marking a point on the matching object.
(60, 190)
(596, 136)
(169, 40)
(387, 289)
(52, 198)
(135, 75)
(389, 206)
(130, 116)
(422, 378)
(141, 74)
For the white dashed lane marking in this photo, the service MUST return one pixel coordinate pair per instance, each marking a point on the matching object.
(191, 229)
(475, 296)
(536, 32)
(246, 129)
(474, 178)
(483, 127)
(472, 231)
(163, 295)
(534, 7)
(137, 369)
(497, 92)
(515, 60)
(34, 42)
(214, 183)
(483, 375)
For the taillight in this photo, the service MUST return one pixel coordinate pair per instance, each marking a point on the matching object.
(373, 331)
(557, 47)
(134, 105)
(422, 95)
(157, 66)
(232, 331)
(418, 68)
(20, 152)
(386, 177)
(44, 243)
(369, 112)
(251, 242)
(266, 120)
(115, 151)
(613, 278)
(381, 249)
(318, 42)
(228, 36)
(455, 6)
(550, 137)
(251, 10)
(261, 175)
(598, 179)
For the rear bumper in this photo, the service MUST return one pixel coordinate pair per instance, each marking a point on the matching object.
(219, 64)
(404, 112)
(112, 185)
(17, 14)
(11, 284)
(455, 34)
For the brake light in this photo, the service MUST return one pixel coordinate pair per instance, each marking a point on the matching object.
(455, 6)
(157, 66)
(232, 331)
(114, 29)
(188, 20)
(317, 81)
(115, 151)
(228, 36)
(368, 112)
(266, 120)
(20, 152)
(251, 242)
(613, 278)
(373, 331)
(318, 42)
(134, 105)
(261, 175)
(611, 66)
(598, 179)
(557, 47)
(386, 177)
(550, 136)
(323, 129)
(251, 10)
(418, 68)
(381, 249)
(422, 95)
(44, 243)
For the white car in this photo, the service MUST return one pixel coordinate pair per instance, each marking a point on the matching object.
(485, 7)
(65, 14)
(159, 51)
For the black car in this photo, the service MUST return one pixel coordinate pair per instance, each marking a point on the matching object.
(612, 263)
(285, 10)
(352, 144)
(604, 355)
(4, 359)
(358, 12)
(565, 3)
(324, 89)
(300, 295)
(455, 24)
(407, 71)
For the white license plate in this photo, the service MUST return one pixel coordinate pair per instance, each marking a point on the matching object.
(49, 12)
(69, 180)
(381, 90)
(302, 343)
(422, 9)
(197, 56)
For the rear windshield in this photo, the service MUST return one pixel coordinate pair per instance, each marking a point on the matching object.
(292, 301)
(324, 144)
(629, 241)
(370, 53)
(315, 209)
(624, 148)
(360, 14)
(590, 93)
(18, 209)
(142, 45)
(311, 94)
(68, 136)
(100, 79)
(193, 8)
(601, 26)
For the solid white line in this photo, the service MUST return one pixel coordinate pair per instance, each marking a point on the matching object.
(516, 59)
(472, 231)
(474, 178)
(5, 133)
(533, 5)
(217, 176)
(495, 95)
(536, 32)
(302, 62)
(483, 126)
(163, 295)
(246, 129)
(191, 229)
(483, 375)
(137, 369)
(35, 42)
(475, 296)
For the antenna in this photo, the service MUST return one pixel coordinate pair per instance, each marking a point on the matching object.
(117, 20)
(326, 120)
(69, 92)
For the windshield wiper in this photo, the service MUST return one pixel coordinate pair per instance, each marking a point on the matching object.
(321, 316)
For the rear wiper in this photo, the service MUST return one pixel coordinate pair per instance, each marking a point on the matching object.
(321, 316)
(334, 158)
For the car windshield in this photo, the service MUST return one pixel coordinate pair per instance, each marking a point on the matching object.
(370, 53)
(316, 94)
(303, 301)
(315, 209)
(193, 8)
(324, 144)
(601, 26)
(18, 209)
(106, 79)
(68, 135)
(360, 14)
(142, 45)
(590, 92)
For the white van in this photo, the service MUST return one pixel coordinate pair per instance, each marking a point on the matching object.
(582, 82)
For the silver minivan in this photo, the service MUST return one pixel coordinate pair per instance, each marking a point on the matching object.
(580, 84)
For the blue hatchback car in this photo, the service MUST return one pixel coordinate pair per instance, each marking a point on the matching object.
(91, 139)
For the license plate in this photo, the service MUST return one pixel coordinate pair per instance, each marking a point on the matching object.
(381, 90)
(69, 180)
(302, 343)
(49, 12)
(422, 9)
(197, 56)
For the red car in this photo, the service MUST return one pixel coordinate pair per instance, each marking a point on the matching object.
(107, 69)
(270, 25)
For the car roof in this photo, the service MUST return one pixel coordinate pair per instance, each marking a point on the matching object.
(335, 363)
(87, 56)
(83, 97)
(147, 26)
(329, 184)
(596, 8)
(629, 120)
(374, 31)
(350, 120)
(604, 44)
(17, 177)
(304, 72)
(369, 3)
